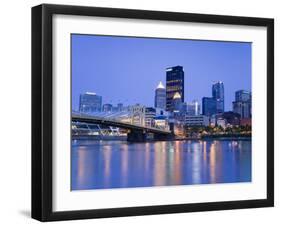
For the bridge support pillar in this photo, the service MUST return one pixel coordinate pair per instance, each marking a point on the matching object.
(136, 136)
(163, 137)
(140, 136)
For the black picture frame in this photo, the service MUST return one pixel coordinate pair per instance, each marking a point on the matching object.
(42, 107)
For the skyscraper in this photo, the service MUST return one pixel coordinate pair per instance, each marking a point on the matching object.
(209, 106)
(90, 102)
(160, 96)
(193, 108)
(242, 95)
(243, 103)
(218, 95)
(177, 103)
(174, 84)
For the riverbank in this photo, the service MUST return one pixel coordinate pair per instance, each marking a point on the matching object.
(220, 137)
(225, 136)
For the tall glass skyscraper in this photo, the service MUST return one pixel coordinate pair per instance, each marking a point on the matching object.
(174, 84)
(218, 95)
(90, 102)
(243, 95)
(160, 97)
(243, 103)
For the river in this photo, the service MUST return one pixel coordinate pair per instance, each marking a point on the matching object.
(119, 164)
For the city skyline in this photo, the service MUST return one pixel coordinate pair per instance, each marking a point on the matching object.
(138, 124)
(88, 77)
(93, 98)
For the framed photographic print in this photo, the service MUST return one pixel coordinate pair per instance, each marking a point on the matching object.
(145, 112)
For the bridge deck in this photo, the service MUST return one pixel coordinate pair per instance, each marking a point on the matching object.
(116, 123)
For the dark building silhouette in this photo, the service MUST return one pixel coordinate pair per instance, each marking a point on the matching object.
(231, 118)
(174, 84)
(209, 106)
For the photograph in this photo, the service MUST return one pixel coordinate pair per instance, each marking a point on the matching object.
(150, 111)
(142, 112)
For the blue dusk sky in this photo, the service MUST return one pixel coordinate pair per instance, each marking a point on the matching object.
(127, 70)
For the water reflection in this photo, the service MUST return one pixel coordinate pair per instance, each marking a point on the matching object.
(159, 165)
(196, 163)
(116, 164)
(124, 164)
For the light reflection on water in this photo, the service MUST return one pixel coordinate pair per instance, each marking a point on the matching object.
(117, 164)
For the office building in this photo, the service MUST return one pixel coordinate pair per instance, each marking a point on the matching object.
(177, 104)
(242, 108)
(243, 95)
(209, 106)
(160, 97)
(90, 102)
(160, 111)
(150, 114)
(107, 108)
(174, 84)
(193, 108)
(243, 104)
(197, 120)
(218, 95)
